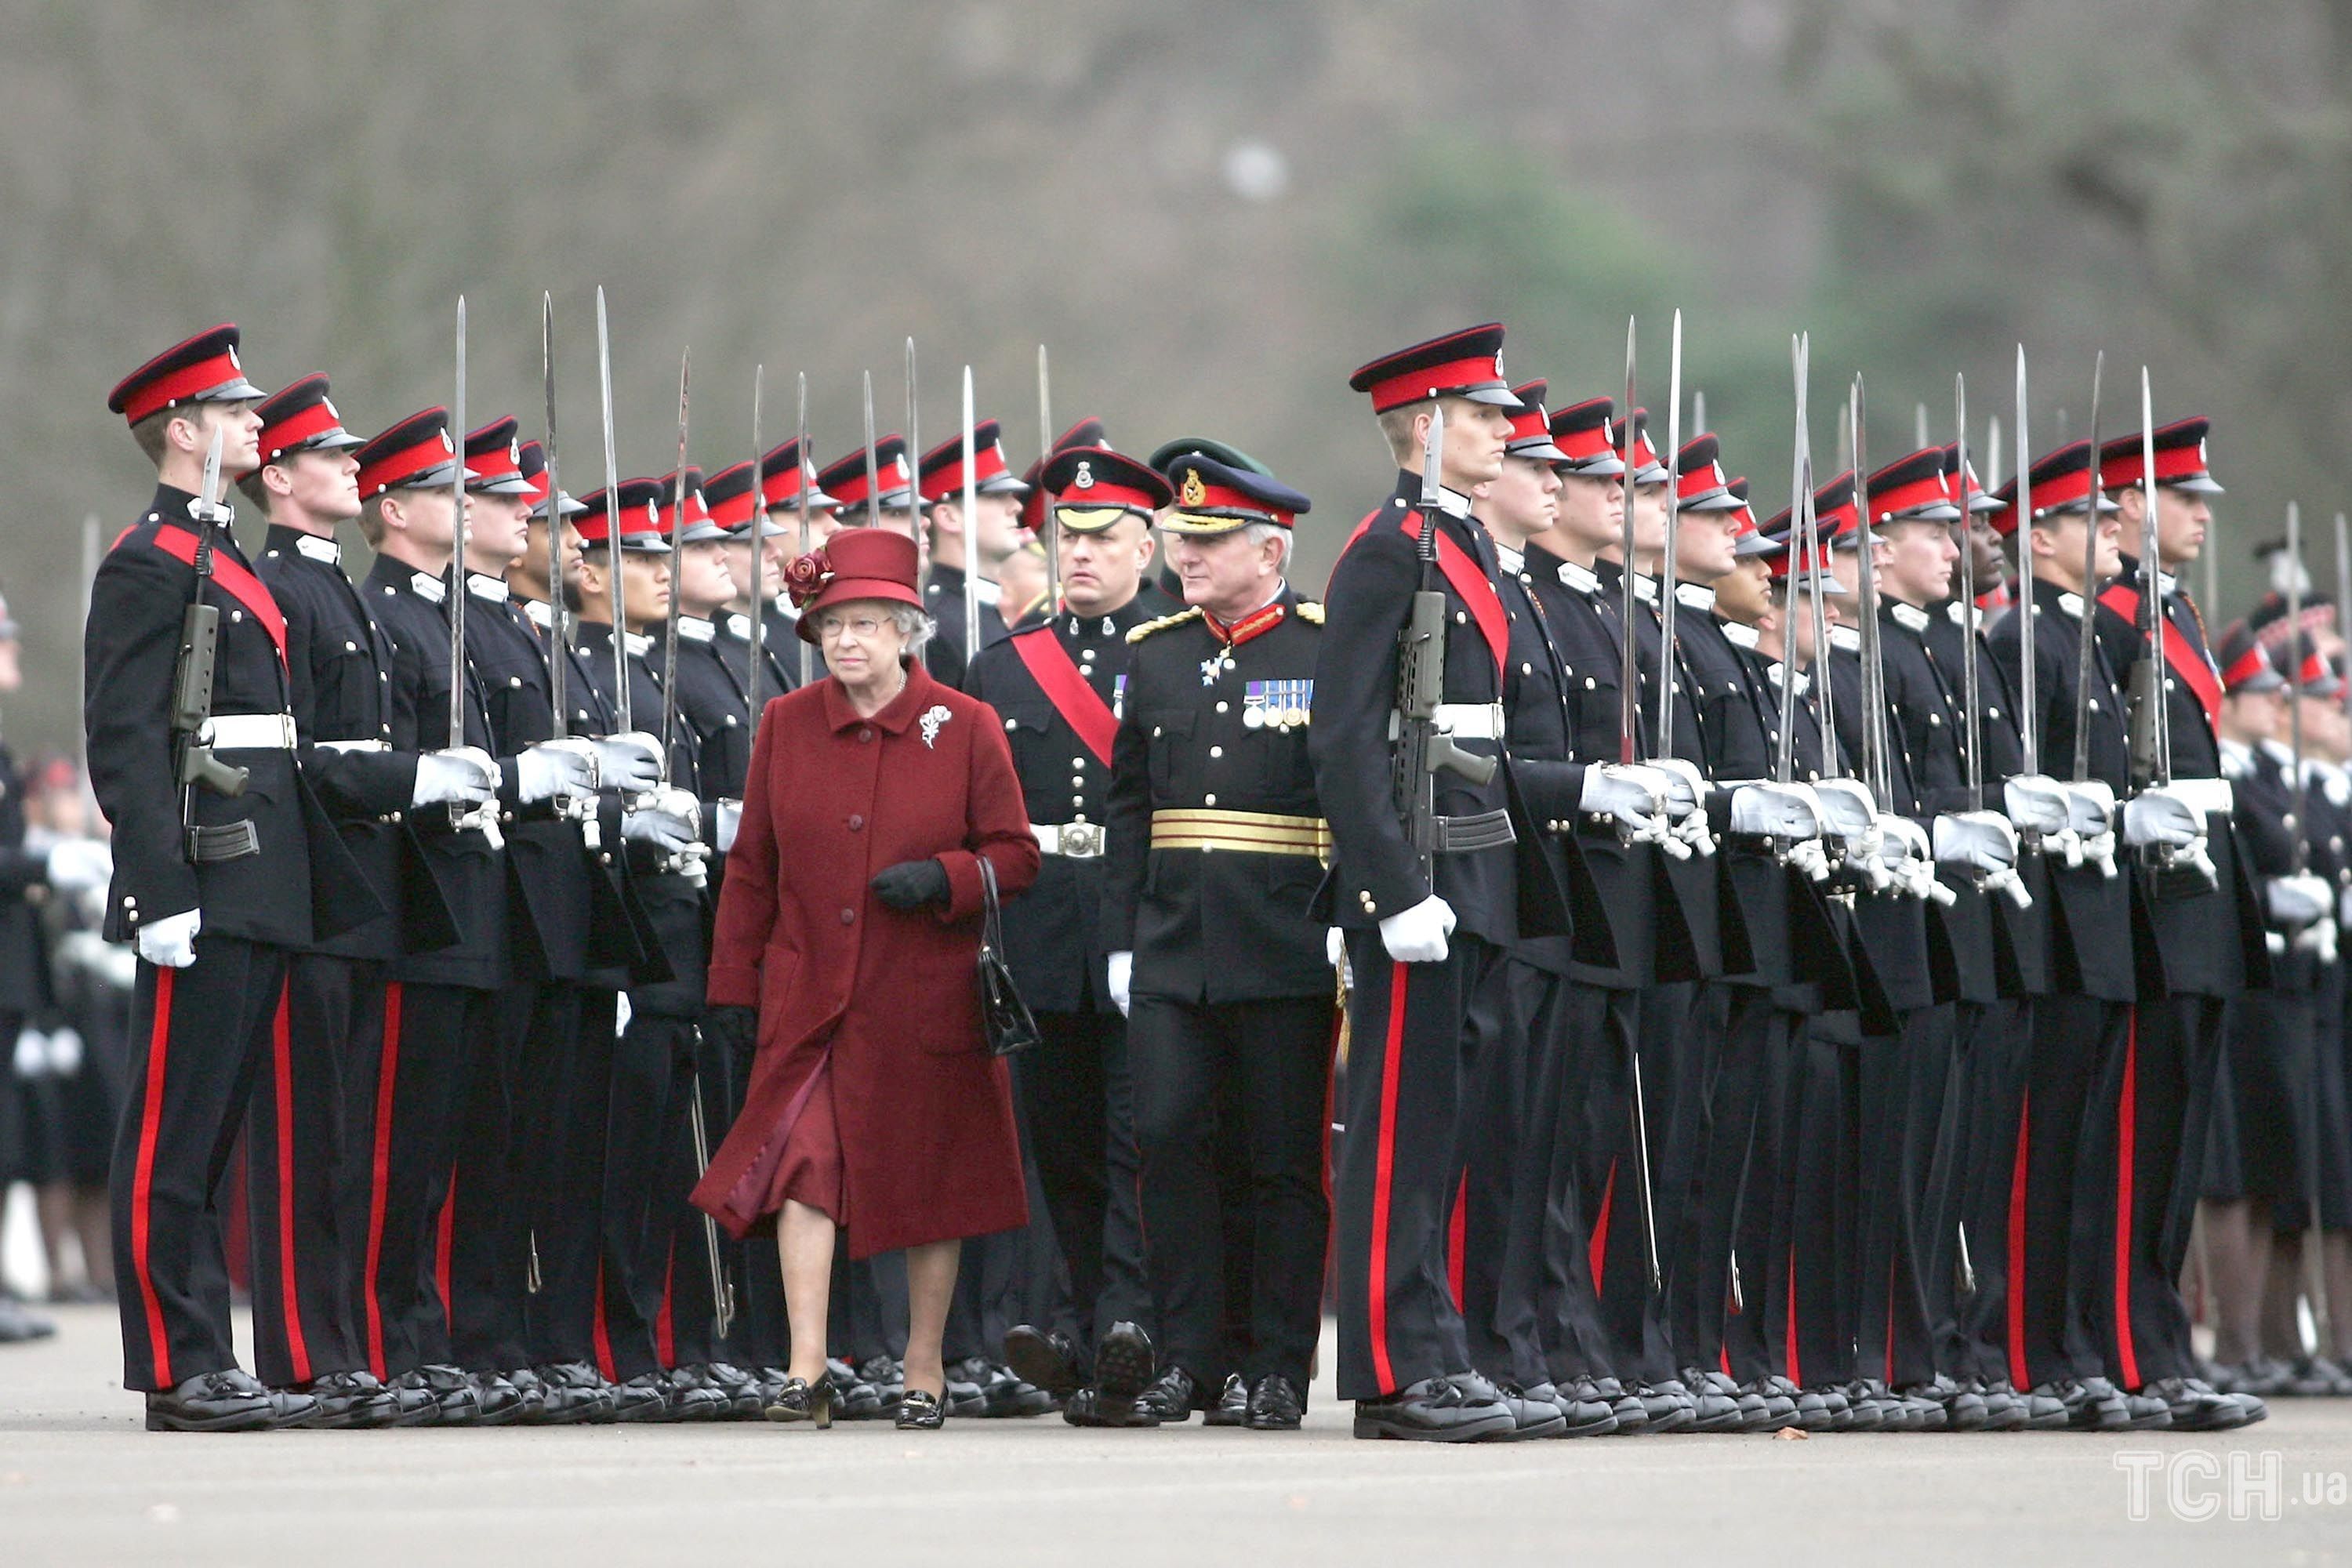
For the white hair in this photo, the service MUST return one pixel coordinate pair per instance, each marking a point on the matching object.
(915, 625)
(1259, 533)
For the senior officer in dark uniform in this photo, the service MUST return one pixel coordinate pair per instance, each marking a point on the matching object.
(1059, 688)
(191, 859)
(1215, 851)
(301, 1164)
(1425, 933)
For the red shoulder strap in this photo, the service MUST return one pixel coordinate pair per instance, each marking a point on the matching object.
(235, 581)
(2179, 655)
(1080, 705)
(1467, 578)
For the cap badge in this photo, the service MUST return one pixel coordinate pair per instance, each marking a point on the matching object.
(1194, 492)
(233, 363)
(1086, 478)
(446, 444)
(653, 512)
(331, 412)
(1498, 364)
(514, 450)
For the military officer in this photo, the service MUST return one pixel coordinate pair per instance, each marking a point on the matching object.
(747, 528)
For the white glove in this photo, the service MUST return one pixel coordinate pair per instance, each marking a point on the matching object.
(1122, 979)
(671, 820)
(1808, 857)
(630, 764)
(2037, 804)
(1418, 935)
(32, 1055)
(462, 775)
(2317, 939)
(1910, 864)
(1685, 785)
(1980, 841)
(728, 821)
(1635, 796)
(77, 865)
(1775, 811)
(1335, 944)
(171, 943)
(2344, 908)
(1848, 811)
(2155, 817)
(551, 768)
(2296, 901)
(2090, 808)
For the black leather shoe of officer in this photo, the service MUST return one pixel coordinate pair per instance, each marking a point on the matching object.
(228, 1401)
(1169, 1398)
(2040, 1409)
(1002, 1395)
(1964, 1408)
(2149, 1412)
(447, 1398)
(2093, 1404)
(1045, 1361)
(966, 1397)
(1434, 1410)
(688, 1394)
(1579, 1417)
(1232, 1405)
(18, 1324)
(533, 1389)
(746, 1396)
(497, 1401)
(1715, 1402)
(874, 1391)
(1531, 1417)
(571, 1393)
(1669, 1405)
(2195, 1407)
(2004, 1411)
(349, 1401)
(1092, 1407)
(1124, 1363)
(1276, 1404)
(1813, 1412)
(641, 1398)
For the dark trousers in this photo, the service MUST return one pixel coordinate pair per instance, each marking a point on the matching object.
(432, 1041)
(1900, 1083)
(760, 1337)
(301, 1172)
(1999, 1060)
(2142, 1159)
(1817, 1334)
(1592, 1029)
(1271, 1062)
(1399, 1171)
(569, 1053)
(1748, 1033)
(1669, 1056)
(2073, 1038)
(1766, 1049)
(198, 1036)
(490, 1226)
(653, 1070)
(701, 1265)
(1079, 1096)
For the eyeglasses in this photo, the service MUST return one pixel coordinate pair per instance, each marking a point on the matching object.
(864, 629)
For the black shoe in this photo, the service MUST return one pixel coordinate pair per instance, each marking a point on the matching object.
(2005, 1410)
(1001, 1394)
(689, 1394)
(1049, 1361)
(799, 1401)
(1092, 1407)
(1434, 1410)
(1169, 1398)
(1965, 1407)
(1778, 1396)
(746, 1394)
(1124, 1363)
(1530, 1417)
(1579, 1417)
(227, 1401)
(435, 1396)
(1669, 1403)
(349, 1401)
(2148, 1412)
(967, 1396)
(874, 1393)
(1715, 1402)
(920, 1411)
(2197, 1407)
(1813, 1412)
(497, 1401)
(571, 1393)
(642, 1399)
(1275, 1404)
(533, 1389)
(2318, 1377)
(1232, 1406)
(2092, 1403)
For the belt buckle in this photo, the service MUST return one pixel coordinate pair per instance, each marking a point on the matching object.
(1082, 840)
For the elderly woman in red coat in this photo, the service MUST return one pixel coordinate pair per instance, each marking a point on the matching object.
(851, 921)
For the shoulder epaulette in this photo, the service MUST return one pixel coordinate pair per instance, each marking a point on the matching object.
(1310, 612)
(1190, 613)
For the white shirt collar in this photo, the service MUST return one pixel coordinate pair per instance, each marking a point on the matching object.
(1646, 588)
(1694, 595)
(1780, 674)
(1959, 615)
(327, 549)
(2167, 584)
(1453, 502)
(639, 644)
(739, 625)
(1513, 560)
(2236, 758)
(542, 613)
(428, 586)
(1846, 640)
(482, 585)
(694, 628)
(988, 592)
(1740, 635)
(1909, 616)
(1580, 578)
(2072, 603)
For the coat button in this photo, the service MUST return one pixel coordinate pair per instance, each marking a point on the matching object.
(1221, 707)
(866, 734)
(848, 917)
(1216, 750)
(350, 648)
(1208, 800)
(857, 822)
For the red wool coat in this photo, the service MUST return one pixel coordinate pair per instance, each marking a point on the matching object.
(928, 1150)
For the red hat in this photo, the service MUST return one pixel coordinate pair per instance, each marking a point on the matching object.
(2245, 663)
(1957, 484)
(494, 459)
(1834, 516)
(941, 475)
(1647, 469)
(1743, 516)
(1467, 364)
(1088, 432)
(1586, 434)
(1092, 486)
(1913, 489)
(2060, 483)
(298, 418)
(1700, 483)
(202, 370)
(700, 527)
(532, 464)
(637, 504)
(844, 477)
(416, 454)
(1531, 427)
(2179, 458)
(855, 564)
(785, 474)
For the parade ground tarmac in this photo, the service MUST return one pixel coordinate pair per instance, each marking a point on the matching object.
(82, 1482)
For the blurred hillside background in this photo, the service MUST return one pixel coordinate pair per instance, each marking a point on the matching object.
(1210, 211)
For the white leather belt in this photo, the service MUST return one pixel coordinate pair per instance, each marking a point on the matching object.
(1078, 840)
(248, 733)
(355, 745)
(2207, 796)
(1465, 721)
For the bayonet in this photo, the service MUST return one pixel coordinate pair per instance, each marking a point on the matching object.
(915, 483)
(1667, 657)
(612, 525)
(676, 535)
(1629, 695)
(970, 528)
(757, 637)
(2151, 732)
(2343, 591)
(559, 654)
(2085, 642)
(2028, 695)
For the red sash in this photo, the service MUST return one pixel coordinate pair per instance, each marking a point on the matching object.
(234, 581)
(1467, 578)
(1080, 705)
(2178, 652)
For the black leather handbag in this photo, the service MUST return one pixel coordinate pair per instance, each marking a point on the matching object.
(1006, 1024)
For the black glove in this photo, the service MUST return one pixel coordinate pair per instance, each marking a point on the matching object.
(734, 1030)
(911, 884)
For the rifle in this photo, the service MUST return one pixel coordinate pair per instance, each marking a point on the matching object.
(622, 706)
(192, 762)
(757, 637)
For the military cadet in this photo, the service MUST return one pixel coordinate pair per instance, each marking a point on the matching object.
(654, 1053)
(976, 544)
(1213, 858)
(2207, 922)
(792, 500)
(889, 502)
(748, 528)
(299, 1168)
(1059, 689)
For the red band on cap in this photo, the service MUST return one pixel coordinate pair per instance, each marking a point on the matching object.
(1434, 381)
(388, 473)
(1107, 493)
(946, 483)
(186, 382)
(1700, 483)
(303, 425)
(1930, 492)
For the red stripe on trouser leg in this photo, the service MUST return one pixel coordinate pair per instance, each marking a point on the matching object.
(1596, 1251)
(380, 1174)
(1722, 1358)
(142, 1180)
(2017, 1248)
(2127, 1358)
(443, 1241)
(604, 1338)
(1796, 1373)
(664, 1322)
(281, 1043)
(1383, 1175)
(1457, 1240)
